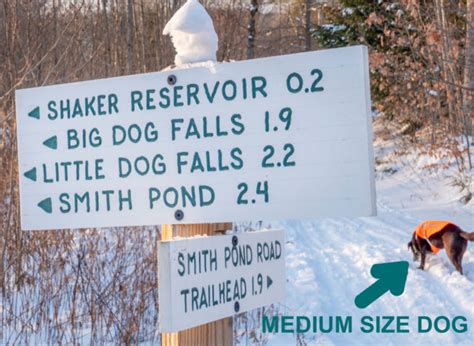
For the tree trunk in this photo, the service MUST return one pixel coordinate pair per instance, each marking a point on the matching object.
(307, 25)
(468, 90)
(143, 37)
(446, 61)
(108, 58)
(251, 29)
(130, 37)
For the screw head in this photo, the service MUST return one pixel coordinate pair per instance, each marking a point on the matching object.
(236, 306)
(172, 79)
(179, 215)
(235, 240)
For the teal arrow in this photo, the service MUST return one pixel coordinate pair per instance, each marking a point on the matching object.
(31, 174)
(391, 277)
(35, 113)
(51, 142)
(46, 205)
(269, 281)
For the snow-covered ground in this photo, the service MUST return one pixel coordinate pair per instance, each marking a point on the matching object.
(328, 261)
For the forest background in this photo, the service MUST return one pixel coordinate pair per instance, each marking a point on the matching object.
(101, 285)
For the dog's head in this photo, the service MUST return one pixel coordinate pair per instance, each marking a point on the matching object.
(413, 246)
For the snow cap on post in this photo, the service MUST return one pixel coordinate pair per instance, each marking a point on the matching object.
(192, 33)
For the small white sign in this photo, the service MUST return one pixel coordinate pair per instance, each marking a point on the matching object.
(205, 279)
(275, 138)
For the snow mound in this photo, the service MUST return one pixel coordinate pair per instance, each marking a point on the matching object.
(192, 33)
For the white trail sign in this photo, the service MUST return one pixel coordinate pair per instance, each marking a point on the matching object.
(274, 138)
(203, 280)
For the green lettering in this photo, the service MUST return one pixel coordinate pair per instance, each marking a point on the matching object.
(258, 86)
(65, 205)
(193, 90)
(287, 324)
(164, 96)
(269, 327)
(153, 195)
(136, 101)
(177, 96)
(123, 199)
(150, 99)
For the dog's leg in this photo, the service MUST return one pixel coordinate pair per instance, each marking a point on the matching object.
(455, 252)
(458, 262)
(422, 262)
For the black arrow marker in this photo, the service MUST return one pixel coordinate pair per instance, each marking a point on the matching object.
(269, 281)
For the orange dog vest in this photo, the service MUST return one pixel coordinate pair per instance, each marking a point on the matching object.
(429, 228)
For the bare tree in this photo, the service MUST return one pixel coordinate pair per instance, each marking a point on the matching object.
(130, 37)
(468, 97)
(307, 25)
(468, 91)
(253, 9)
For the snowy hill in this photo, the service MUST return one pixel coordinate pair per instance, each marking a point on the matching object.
(328, 261)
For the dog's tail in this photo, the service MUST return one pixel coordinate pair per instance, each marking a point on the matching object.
(467, 235)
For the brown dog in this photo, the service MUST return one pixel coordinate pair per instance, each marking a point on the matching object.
(432, 236)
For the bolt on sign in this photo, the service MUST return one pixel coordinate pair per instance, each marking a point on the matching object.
(274, 138)
(203, 281)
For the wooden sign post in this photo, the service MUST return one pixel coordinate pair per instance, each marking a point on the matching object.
(215, 333)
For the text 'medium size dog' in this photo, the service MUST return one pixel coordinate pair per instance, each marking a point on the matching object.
(432, 236)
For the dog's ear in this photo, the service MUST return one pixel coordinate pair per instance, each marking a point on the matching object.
(410, 245)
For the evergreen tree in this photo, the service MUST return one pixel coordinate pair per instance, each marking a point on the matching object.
(356, 22)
